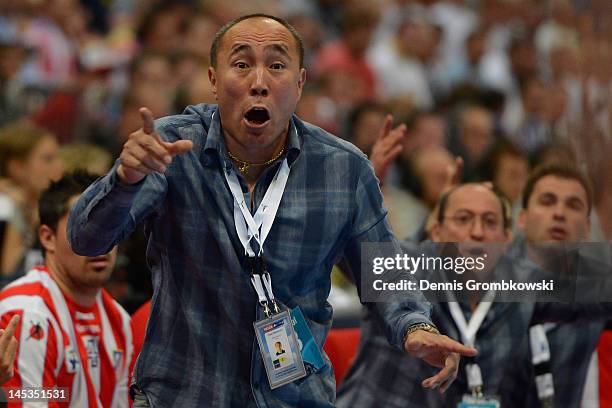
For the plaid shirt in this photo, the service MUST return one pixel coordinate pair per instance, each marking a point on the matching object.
(384, 377)
(571, 344)
(200, 348)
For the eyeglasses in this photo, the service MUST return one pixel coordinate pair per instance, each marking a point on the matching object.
(467, 219)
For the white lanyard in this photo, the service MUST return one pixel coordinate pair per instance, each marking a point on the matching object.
(468, 335)
(540, 354)
(258, 227)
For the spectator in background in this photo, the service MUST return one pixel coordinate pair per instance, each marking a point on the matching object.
(29, 161)
(473, 138)
(312, 31)
(507, 167)
(72, 334)
(55, 62)
(401, 61)
(163, 26)
(424, 176)
(535, 129)
(506, 70)
(200, 29)
(465, 70)
(380, 376)
(14, 97)
(348, 53)
(364, 124)
(557, 203)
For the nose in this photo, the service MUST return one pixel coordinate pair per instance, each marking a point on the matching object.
(477, 230)
(559, 212)
(259, 86)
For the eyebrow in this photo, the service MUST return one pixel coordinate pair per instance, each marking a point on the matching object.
(238, 48)
(278, 48)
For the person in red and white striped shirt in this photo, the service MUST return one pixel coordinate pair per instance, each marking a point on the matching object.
(71, 333)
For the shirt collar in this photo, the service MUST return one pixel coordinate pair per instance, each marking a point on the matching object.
(215, 143)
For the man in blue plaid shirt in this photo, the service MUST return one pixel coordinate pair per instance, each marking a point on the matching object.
(200, 349)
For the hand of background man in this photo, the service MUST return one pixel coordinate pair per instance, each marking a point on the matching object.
(439, 351)
(387, 147)
(145, 152)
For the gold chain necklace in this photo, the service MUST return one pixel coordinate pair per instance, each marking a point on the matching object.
(243, 166)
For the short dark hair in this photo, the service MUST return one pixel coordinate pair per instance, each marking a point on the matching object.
(503, 202)
(214, 48)
(53, 203)
(489, 166)
(562, 172)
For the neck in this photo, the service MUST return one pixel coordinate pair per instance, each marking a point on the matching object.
(255, 156)
(85, 297)
(547, 256)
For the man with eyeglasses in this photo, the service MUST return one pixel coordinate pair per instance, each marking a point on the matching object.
(468, 213)
(475, 215)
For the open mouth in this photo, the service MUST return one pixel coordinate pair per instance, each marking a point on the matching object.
(558, 234)
(257, 116)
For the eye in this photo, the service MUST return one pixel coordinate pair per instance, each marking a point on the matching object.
(241, 65)
(576, 204)
(491, 222)
(277, 66)
(547, 199)
(463, 219)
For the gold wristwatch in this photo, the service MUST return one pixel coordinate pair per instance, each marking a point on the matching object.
(421, 326)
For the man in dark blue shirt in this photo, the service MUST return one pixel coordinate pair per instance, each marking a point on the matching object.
(176, 175)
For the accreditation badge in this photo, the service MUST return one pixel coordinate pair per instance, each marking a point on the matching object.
(279, 348)
(471, 401)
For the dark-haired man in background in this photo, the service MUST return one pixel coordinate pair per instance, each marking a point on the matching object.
(557, 202)
(196, 180)
(72, 334)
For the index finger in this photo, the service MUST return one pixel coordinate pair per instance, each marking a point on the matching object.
(148, 125)
(386, 128)
(7, 334)
(12, 326)
(453, 346)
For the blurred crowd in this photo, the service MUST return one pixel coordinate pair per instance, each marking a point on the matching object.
(504, 84)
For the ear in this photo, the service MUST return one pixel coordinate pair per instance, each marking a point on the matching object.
(587, 231)
(521, 220)
(435, 232)
(212, 77)
(47, 238)
(301, 81)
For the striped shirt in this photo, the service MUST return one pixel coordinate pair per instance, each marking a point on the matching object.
(56, 335)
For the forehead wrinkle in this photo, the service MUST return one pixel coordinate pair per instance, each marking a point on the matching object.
(255, 35)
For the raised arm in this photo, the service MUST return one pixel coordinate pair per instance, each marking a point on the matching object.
(111, 207)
